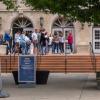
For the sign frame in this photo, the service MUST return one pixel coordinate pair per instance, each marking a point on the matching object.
(34, 81)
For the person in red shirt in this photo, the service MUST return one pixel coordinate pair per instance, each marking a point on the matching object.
(70, 41)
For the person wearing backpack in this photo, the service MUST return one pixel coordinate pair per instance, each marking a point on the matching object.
(23, 43)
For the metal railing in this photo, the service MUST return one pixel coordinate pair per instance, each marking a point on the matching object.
(65, 51)
(93, 57)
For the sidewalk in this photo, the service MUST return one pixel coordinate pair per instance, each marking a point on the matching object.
(60, 87)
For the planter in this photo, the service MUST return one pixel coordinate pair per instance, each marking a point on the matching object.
(98, 79)
(15, 75)
(42, 77)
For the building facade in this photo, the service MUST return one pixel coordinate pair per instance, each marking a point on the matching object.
(26, 19)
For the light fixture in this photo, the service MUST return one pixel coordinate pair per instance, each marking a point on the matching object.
(41, 22)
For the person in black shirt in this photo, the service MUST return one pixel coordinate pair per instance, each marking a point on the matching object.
(43, 43)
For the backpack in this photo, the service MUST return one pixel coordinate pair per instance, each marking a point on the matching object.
(22, 39)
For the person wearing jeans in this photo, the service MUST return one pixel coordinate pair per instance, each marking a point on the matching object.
(23, 44)
(61, 43)
(56, 43)
(8, 40)
(43, 44)
(70, 41)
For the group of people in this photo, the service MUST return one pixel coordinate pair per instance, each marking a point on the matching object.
(38, 41)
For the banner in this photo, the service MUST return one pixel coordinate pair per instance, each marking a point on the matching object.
(27, 69)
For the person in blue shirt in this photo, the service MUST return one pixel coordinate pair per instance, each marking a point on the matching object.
(22, 43)
(1, 39)
(8, 41)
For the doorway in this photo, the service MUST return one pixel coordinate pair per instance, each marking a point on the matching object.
(22, 24)
(65, 27)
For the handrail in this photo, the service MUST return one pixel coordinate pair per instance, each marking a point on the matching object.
(65, 58)
(93, 58)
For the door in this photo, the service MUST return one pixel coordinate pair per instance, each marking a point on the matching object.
(28, 30)
(96, 40)
(66, 46)
(65, 32)
(57, 31)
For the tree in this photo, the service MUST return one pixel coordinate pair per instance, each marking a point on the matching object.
(9, 4)
(82, 10)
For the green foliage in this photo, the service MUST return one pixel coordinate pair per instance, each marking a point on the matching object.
(82, 10)
(9, 4)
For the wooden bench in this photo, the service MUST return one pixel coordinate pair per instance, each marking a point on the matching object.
(54, 63)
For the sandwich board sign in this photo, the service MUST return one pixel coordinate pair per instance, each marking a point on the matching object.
(27, 69)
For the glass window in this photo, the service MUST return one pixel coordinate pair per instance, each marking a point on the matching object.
(97, 45)
(97, 34)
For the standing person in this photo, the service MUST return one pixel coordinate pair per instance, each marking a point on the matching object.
(17, 35)
(61, 43)
(28, 43)
(50, 43)
(23, 43)
(39, 37)
(70, 41)
(43, 43)
(47, 41)
(56, 43)
(16, 45)
(8, 41)
(35, 41)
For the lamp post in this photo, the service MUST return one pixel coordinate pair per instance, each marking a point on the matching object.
(41, 22)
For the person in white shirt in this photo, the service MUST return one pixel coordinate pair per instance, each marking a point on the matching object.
(17, 35)
(16, 45)
(35, 41)
(50, 43)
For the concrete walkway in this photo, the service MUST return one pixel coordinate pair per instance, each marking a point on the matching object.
(60, 87)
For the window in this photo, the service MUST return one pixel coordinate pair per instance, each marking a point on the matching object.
(97, 34)
(62, 23)
(97, 45)
(22, 23)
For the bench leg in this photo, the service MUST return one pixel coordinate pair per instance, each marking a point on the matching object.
(42, 77)
(98, 79)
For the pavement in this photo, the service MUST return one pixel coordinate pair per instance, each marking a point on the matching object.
(60, 86)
